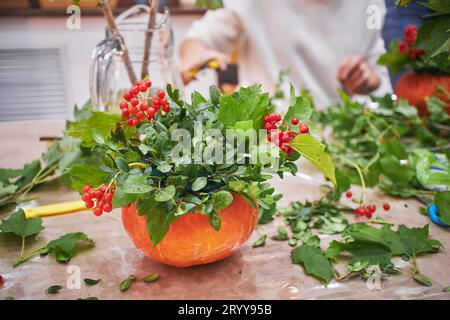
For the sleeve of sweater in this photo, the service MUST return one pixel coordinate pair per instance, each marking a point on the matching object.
(217, 29)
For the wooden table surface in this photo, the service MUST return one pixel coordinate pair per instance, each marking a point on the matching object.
(260, 273)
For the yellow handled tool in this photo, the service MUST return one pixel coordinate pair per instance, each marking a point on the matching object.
(55, 209)
(212, 64)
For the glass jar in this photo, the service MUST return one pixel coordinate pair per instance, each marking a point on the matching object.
(109, 77)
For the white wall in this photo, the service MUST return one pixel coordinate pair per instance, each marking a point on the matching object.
(77, 45)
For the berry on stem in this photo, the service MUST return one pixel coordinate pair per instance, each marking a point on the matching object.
(386, 207)
(349, 194)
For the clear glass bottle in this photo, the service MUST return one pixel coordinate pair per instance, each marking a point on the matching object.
(108, 74)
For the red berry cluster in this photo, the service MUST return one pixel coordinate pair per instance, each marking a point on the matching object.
(409, 38)
(272, 123)
(102, 196)
(135, 107)
(367, 211)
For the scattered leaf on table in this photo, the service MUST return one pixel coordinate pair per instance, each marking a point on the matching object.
(91, 282)
(260, 242)
(152, 277)
(314, 261)
(53, 289)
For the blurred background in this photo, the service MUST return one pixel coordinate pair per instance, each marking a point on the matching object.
(40, 54)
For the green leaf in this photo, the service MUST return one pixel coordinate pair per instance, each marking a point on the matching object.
(214, 220)
(136, 185)
(404, 241)
(156, 215)
(7, 174)
(314, 261)
(244, 105)
(442, 200)
(260, 242)
(237, 185)
(199, 184)
(19, 225)
(126, 284)
(374, 253)
(152, 277)
(165, 194)
(66, 246)
(300, 107)
(121, 164)
(422, 279)
(82, 174)
(253, 191)
(6, 190)
(122, 199)
(29, 171)
(91, 282)
(222, 199)
(446, 289)
(314, 152)
(53, 289)
(99, 124)
(282, 234)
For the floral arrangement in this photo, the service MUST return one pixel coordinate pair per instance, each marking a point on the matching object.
(408, 54)
(170, 157)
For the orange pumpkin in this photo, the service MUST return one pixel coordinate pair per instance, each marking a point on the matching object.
(416, 87)
(191, 240)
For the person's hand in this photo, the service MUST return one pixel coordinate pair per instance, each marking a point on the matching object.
(357, 77)
(194, 55)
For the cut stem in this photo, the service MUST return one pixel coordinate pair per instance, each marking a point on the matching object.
(149, 36)
(107, 12)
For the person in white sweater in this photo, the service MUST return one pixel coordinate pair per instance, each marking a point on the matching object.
(325, 44)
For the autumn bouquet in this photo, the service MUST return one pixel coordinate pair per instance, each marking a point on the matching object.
(191, 177)
(425, 53)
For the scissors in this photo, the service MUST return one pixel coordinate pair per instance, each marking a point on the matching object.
(434, 215)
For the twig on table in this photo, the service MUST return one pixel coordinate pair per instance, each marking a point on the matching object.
(107, 12)
(148, 36)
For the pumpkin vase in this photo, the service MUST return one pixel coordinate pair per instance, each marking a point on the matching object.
(191, 240)
(415, 87)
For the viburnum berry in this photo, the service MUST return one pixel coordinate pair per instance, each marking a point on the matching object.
(127, 96)
(349, 194)
(123, 105)
(2, 280)
(161, 94)
(372, 208)
(294, 121)
(134, 102)
(135, 90)
(142, 88)
(98, 211)
(148, 83)
(99, 199)
(364, 211)
(304, 128)
(125, 112)
(416, 53)
(402, 47)
(410, 35)
(386, 207)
